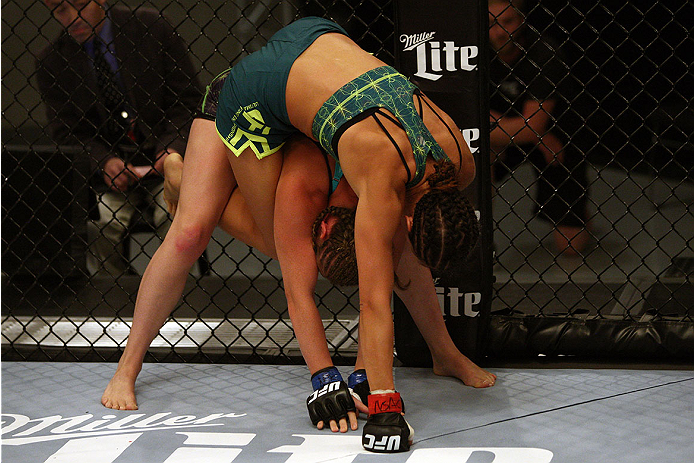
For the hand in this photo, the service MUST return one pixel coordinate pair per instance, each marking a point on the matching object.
(358, 386)
(159, 161)
(386, 430)
(118, 175)
(173, 173)
(331, 401)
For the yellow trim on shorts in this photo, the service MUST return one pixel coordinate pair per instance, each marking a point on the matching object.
(249, 143)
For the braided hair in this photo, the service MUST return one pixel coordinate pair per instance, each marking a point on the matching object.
(445, 227)
(444, 231)
(336, 256)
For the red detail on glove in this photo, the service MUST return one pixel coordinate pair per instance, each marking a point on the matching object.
(382, 403)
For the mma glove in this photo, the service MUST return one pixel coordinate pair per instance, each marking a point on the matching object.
(386, 430)
(359, 386)
(331, 398)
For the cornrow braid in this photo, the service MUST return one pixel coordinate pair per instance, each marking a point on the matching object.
(336, 256)
(444, 176)
(444, 227)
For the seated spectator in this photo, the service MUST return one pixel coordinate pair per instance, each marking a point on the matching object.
(120, 84)
(531, 88)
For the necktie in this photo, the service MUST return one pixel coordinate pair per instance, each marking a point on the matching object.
(110, 92)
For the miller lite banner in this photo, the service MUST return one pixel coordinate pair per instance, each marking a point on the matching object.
(442, 47)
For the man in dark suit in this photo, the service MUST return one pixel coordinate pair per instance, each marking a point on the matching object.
(119, 84)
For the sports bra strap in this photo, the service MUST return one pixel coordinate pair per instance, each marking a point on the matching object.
(402, 157)
(420, 99)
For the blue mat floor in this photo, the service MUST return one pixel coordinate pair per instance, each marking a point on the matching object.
(192, 413)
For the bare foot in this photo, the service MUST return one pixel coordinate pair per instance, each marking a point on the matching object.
(120, 392)
(173, 171)
(461, 367)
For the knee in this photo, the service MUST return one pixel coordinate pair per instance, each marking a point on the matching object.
(190, 240)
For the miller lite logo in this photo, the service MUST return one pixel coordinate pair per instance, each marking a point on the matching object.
(452, 301)
(435, 57)
(195, 439)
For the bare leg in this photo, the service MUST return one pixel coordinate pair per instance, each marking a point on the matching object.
(206, 174)
(236, 220)
(421, 301)
(257, 180)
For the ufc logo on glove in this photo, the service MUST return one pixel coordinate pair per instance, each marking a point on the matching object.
(330, 387)
(387, 443)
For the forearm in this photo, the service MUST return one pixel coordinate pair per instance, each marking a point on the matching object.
(300, 275)
(376, 339)
(309, 332)
(375, 231)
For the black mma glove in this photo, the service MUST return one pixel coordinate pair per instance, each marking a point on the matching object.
(331, 399)
(359, 386)
(386, 430)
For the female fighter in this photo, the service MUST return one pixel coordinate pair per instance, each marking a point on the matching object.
(388, 138)
(269, 96)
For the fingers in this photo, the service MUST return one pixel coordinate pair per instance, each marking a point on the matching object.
(119, 184)
(122, 179)
(343, 425)
(130, 173)
(333, 425)
(362, 408)
(352, 421)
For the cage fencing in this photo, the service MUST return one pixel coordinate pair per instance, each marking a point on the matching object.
(616, 85)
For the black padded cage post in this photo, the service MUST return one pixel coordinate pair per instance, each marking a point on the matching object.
(442, 48)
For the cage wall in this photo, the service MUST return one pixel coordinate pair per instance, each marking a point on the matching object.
(620, 83)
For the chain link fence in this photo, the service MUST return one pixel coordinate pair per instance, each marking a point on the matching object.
(593, 203)
(620, 86)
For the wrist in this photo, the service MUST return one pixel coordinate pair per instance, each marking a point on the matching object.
(357, 377)
(325, 376)
(385, 401)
